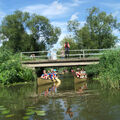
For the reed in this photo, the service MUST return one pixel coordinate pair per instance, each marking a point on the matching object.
(107, 71)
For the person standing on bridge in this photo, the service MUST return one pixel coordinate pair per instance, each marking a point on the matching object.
(67, 47)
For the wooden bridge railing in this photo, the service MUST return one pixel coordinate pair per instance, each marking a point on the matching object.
(52, 55)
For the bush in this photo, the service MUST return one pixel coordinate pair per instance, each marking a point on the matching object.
(11, 70)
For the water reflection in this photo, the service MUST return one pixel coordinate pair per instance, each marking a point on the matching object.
(80, 87)
(69, 111)
(48, 89)
(65, 101)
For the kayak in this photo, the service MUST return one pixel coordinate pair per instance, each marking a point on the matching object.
(41, 81)
(79, 80)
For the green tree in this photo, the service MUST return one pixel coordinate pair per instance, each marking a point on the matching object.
(73, 26)
(97, 31)
(83, 39)
(72, 43)
(70, 40)
(24, 32)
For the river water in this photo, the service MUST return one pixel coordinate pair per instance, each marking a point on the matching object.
(66, 101)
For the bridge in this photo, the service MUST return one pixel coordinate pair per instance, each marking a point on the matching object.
(83, 57)
(61, 63)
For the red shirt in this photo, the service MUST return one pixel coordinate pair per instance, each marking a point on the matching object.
(67, 45)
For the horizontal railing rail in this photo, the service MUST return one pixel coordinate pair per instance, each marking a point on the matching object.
(91, 49)
(82, 53)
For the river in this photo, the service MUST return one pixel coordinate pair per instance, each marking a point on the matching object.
(59, 102)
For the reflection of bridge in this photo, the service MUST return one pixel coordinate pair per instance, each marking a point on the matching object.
(76, 58)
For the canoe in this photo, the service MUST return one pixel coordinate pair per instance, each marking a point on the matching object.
(41, 81)
(79, 80)
(60, 73)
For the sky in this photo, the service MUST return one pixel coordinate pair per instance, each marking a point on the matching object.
(59, 12)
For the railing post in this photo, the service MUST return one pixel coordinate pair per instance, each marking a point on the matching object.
(21, 56)
(83, 54)
(80, 56)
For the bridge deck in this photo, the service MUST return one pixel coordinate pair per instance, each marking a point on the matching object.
(60, 62)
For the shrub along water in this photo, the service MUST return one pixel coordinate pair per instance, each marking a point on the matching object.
(107, 72)
(11, 70)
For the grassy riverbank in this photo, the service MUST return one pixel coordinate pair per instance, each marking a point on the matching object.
(11, 70)
(107, 71)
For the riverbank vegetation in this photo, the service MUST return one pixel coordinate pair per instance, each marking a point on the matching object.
(107, 71)
(11, 70)
(22, 31)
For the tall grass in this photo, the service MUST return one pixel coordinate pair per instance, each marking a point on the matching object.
(107, 72)
(11, 70)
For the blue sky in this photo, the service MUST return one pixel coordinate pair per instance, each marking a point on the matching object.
(60, 11)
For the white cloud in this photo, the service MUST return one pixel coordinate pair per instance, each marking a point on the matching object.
(55, 9)
(74, 16)
(49, 10)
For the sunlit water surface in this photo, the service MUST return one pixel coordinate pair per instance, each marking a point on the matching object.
(59, 102)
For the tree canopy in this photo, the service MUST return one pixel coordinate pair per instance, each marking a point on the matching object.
(24, 32)
(70, 40)
(97, 32)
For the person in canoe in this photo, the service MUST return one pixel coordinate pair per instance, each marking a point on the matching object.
(72, 71)
(54, 77)
(78, 72)
(52, 74)
(83, 73)
(49, 75)
(44, 75)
